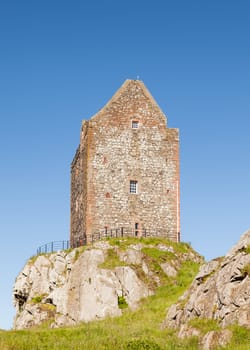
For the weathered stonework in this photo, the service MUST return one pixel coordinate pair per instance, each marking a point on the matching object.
(111, 154)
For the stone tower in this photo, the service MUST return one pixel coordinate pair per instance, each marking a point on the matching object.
(125, 173)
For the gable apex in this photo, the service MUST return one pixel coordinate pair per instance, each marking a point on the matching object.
(132, 84)
(130, 92)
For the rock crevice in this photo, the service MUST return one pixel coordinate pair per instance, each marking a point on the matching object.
(220, 291)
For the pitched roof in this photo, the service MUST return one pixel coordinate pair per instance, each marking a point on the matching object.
(129, 86)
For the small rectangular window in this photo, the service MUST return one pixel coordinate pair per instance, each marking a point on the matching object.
(133, 186)
(135, 124)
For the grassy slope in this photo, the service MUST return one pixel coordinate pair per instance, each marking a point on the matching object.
(133, 330)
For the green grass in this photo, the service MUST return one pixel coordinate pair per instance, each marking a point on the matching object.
(240, 339)
(78, 251)
(160, 256)
(122, 303)
(245, 249)
(204, 325)
(246, 270)
(37, 299)
(111, 260)
(133, 330)
(125, 242)
(138, 330)
(32, 259)
(153, 258)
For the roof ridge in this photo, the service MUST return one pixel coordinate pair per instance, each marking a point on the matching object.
(122, 88)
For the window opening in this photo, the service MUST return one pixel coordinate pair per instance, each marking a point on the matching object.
(135, 124)
(133, 186)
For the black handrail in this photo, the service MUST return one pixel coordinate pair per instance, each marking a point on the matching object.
(53, 247)
(82, 240)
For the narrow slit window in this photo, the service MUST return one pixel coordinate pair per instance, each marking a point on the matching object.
(133, 186)
(136, 229)
(135, 124)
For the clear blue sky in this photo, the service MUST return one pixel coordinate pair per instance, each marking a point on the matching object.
(61, 61)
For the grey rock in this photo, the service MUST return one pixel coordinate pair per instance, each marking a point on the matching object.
(213, 339)
(220, 291)
(187, 331)
(70, 290)
(165, 248)
(131, 256)
(67, 288)
(169, 270)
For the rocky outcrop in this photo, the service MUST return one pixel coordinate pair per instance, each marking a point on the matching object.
(220, 291)
(215, 339)
(88, 283)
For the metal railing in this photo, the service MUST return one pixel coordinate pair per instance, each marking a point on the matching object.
(116, 233)
(53, 247)
(84, 239)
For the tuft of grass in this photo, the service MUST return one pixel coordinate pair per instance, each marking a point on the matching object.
(245, 249)
(37, 299)
(186, 273)
(48, 307)
(181, 247)
(155, 241)
(246, 270)
(79, 251)
(204, 325)
(111, 260)
(32, 259)
(153, 258)
(125, 242)
(69, 250)
(240, 339)
(142, 344)
(122, 303)
(159, 255)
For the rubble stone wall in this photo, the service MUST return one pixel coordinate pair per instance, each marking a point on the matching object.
(112, 153)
